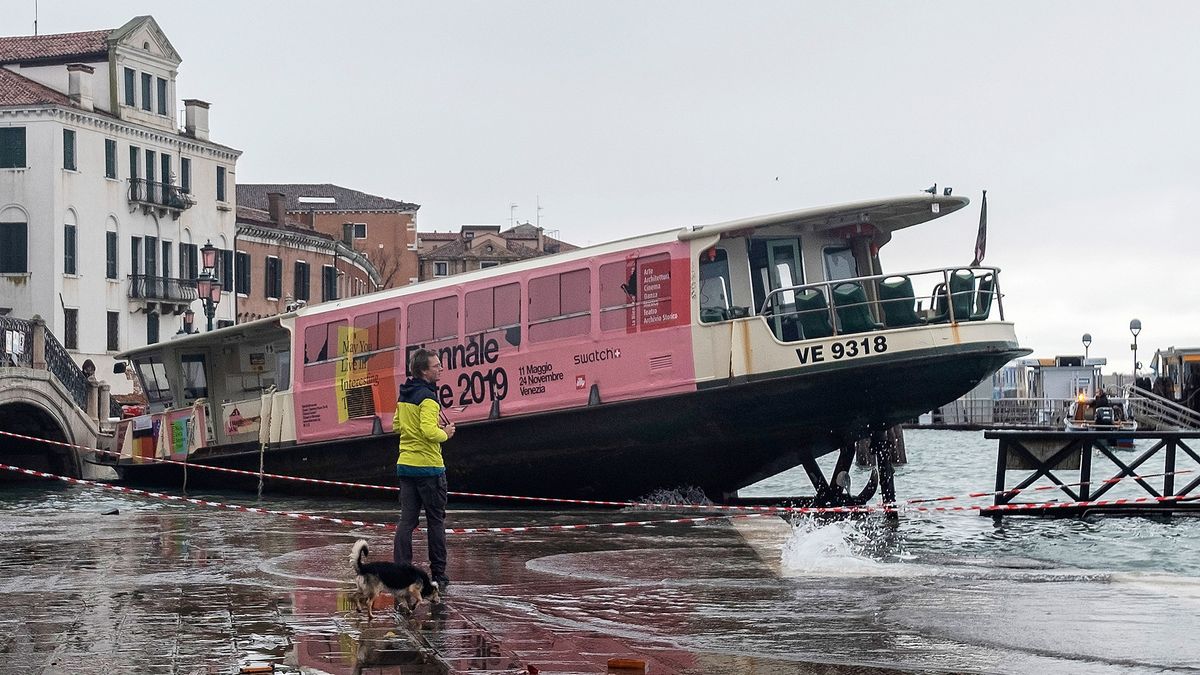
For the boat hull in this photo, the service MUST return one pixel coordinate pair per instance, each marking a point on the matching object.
(720, 438)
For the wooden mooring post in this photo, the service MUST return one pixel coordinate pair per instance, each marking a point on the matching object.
(1072, 461)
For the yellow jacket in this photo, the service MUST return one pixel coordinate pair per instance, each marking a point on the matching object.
(416, 420)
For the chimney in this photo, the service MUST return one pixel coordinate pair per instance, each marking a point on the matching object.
(79, 85)
(195, 116)
(275, 208)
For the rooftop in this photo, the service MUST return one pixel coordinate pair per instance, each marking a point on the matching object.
(86, 46)
(254, 195)
(18, 90)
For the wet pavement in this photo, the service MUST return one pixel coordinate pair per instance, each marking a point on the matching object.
(176, 588)
(169, 588)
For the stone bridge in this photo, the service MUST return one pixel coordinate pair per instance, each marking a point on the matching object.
(43, 394)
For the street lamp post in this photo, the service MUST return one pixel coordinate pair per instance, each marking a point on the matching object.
(1135, 327)
(1087, 342)
(208, 286)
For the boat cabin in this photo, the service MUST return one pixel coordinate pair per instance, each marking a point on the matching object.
(798, 300)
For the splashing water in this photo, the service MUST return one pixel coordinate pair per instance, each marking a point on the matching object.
(841, 548)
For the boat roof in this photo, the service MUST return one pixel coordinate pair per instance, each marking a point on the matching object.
(235, 333)
(888, 215)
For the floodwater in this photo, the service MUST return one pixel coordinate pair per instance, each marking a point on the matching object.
(162, 587)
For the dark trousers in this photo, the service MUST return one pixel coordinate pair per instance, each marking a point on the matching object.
(417, 493)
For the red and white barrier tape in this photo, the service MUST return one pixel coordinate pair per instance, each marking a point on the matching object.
(634, 523)
(620, 504)
(363, 523)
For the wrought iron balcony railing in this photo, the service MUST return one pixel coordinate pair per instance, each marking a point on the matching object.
(161, 195)
(159, 289)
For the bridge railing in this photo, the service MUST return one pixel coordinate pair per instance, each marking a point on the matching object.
(25, 343)
(16, 342)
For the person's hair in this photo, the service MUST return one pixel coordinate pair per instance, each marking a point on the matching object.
(419, 363)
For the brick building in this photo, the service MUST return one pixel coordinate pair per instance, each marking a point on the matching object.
(382, 230)
(282, 262)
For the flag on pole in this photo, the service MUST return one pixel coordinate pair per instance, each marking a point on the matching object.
(981, 238)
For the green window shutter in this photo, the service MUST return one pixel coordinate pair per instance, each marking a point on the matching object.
(69, 149)
(14, 258)
(162, 96)
(130, 83)
(185, 174)
(110, 158)
(12, 148)
(146, 91)
(110, 255)
(69, 249)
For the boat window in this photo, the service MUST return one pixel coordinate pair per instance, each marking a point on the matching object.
(560, 305)
(153, 375)
(283, 370)
(494, 313)
(378, 331)
(775, 263)
(617, 283)
(840, 263)
(420, 323)
(432, 324)
(445, 318)
(195, 382)
(714, 285)
(321, 350)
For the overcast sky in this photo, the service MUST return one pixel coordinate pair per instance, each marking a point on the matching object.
(1081, 119)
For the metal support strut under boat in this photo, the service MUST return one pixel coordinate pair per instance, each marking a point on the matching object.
(881, 446)
(837, 493)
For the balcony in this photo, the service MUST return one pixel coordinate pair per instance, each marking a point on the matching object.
(172, 295)
(161, 197)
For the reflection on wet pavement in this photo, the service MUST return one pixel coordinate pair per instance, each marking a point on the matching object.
(168, 588)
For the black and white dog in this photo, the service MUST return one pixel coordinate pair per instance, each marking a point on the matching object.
(406, 582)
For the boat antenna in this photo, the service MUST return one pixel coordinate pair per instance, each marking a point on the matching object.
(35, 13)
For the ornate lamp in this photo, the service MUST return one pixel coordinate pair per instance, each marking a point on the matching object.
(208, 286)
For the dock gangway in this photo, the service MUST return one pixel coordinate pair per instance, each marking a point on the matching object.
(1155, 412)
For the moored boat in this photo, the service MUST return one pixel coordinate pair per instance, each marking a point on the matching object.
(709, 356)
(1101, 415)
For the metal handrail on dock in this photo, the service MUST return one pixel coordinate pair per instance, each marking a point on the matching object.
(1046, 453)
(1151, 409)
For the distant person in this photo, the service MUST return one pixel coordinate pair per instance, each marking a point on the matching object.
(1101, 399)
(422, 473)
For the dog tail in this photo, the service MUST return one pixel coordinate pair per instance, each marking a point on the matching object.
(357, 553)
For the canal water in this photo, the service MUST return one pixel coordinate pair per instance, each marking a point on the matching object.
(168, 587)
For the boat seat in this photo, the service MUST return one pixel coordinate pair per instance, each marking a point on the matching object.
(962, 293)
(812, 314)
(899, 305)
(854, 315)
(939, 308)
(713, 314)
(983, 297)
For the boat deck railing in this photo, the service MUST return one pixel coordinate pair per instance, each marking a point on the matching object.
(882, 301)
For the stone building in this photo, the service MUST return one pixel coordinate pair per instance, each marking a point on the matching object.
(104, 200)
(476, 247)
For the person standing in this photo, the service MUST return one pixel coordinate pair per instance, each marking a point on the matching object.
(420, 468)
